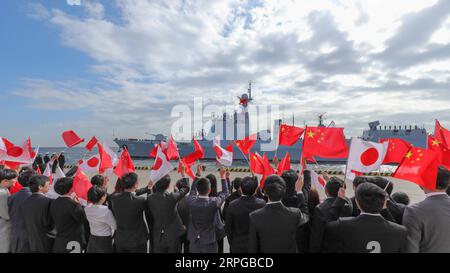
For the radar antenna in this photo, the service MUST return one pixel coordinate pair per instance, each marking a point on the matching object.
(321, 119)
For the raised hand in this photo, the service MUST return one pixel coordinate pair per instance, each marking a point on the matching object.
(299, 184)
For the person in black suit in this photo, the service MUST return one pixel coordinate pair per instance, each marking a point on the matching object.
(213, 193)
(37, 217)
(131, 214)
(335, 206)
(183, 211)
(273, 228)
(69, 218)
(369, 232)
(19, 235)
(61, 160)
(401, 198)
(292, 199)
(393, 209)
(205, 226)
(237, 215)
(233, 196)
(167, 224)
(46, 159)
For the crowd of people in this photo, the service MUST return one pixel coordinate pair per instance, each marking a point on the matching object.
(285, 215)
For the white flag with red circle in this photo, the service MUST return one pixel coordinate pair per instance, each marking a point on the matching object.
(91, 165)
(161, 167)
(223, 156)
(18, 154)
(365, 156)
(317, 181)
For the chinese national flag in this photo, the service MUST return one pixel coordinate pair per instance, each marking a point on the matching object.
(245, 145)
(71, 138)
(91, 144)
(172, 150)
(285, 164)
(442, 134)
(105, 159)
(81, 184)
(443, 153)
(187, 168)
(397, 149)
(125, 164)
(256, 165)
(16, 187)
(419, 166)
(289, 135)
(197, 154)
(324, 142)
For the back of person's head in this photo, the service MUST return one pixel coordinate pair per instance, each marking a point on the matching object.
(401, 197)
(383, 183)
(203, 186)
(333, 185)
(290, 177)
(443, 178)
(182, 183)
(7, 174)
(274, 187)
(37, 181)
(95, 194)
(370, 198)
(25, 176)
(26, 169)
(213, 181)
(313, 200)
(63, 185)
(162, 185)
(118, 188)
(237, 182)
(129, 180)
(249, 185)
(98, 180)
(359, 180)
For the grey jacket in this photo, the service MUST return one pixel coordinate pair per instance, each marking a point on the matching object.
(428, 224)
(5, 224)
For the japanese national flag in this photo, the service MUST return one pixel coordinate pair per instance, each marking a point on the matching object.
(161, 167)
(317, 181)
(19, 154)
(53, 178)
(366, 156)
(223, 156)
(91, 165)
(2, 147)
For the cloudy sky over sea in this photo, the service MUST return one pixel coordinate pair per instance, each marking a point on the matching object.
(120, 66)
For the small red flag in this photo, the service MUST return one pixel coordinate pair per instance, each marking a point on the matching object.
(289, 135)
(16, 187)
(81, 184)
(105, 159)
(443, 153)
(324, 142)
(397, 149)
(71, 138)
(442, 134)
(419, 166)
(198, 153)
(256, 165)
(125, 164)
(285, 164)
(246, 144)
(187, 168)
(91, 144)
(38, 170)
(172, 150)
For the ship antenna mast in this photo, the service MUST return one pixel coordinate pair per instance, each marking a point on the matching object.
(249, 90)
(321, 119)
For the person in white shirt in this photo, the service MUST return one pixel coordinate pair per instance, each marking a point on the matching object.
(101, 222)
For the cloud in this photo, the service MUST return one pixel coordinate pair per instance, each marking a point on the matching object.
(349, 58)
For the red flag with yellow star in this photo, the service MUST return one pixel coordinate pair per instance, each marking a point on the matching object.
(246, 144)
(256, 164)
(419, 166)
(442, 135)
(442, 151)
(285, 164)
(324, 142)
(397, 149)
(289, 135)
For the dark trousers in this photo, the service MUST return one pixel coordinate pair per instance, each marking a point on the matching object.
(185, 243)
(99, 244)
(195, 247)
(165, 244)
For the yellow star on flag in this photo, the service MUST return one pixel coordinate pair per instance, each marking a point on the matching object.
(311, 134)
(408, 154)
(436, 142)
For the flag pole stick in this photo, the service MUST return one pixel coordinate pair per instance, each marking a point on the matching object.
(346, 165)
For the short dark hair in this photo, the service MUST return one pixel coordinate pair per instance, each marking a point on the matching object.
(359, 180)
(249, 185)
(36, 181)
(63, 185)
(182, 183)
(163, 184)
(95, 193)
(237, 183)
(25, 176)
(274, 187)
(203, 186)
(129, 180)
(7, 174)
(383, 183)
(333, 185)
(98, 180)
(401, 197)
(213, 182)
(290, 177)
(370, 197)
(443, 178)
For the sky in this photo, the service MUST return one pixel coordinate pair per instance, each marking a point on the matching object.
(118, 67)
